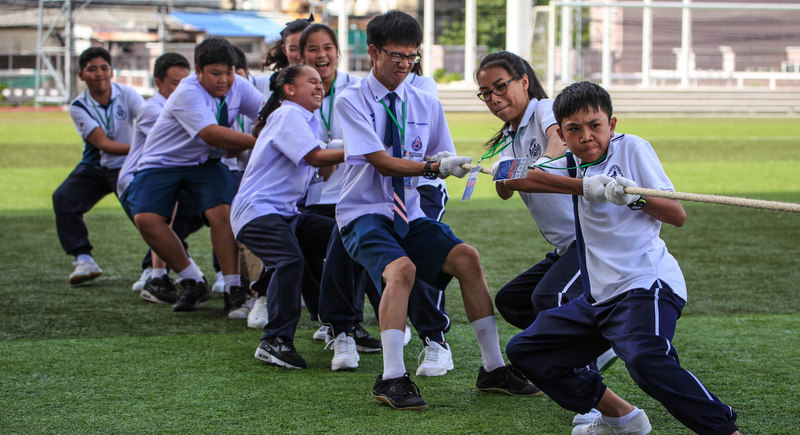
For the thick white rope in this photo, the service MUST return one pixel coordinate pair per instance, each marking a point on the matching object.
(717, 199)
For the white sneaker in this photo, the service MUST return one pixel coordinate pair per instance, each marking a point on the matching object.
(219, 284)
(345, 355)
(605, 360)
(258, 316)
(587, 418)
(139, 284)
(321, 333)
(438, 359)
(84, 271)
(407, 336)
(243, 312)
(639, 425)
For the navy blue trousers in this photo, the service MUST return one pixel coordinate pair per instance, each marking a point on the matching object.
(639, 325)
(84, 187)
(552, 282)
(345, 283)
(292, 250)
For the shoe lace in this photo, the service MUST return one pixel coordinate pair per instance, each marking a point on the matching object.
(343, 343)
(408, 386)
(432, 350)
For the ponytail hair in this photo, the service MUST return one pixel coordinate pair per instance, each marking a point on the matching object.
(276, 83)
(515, 66)
(275, 59)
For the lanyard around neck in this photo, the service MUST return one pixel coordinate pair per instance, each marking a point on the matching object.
(583, 165)
(394, 119)
(499, 146)
(328, 121)
(108, 119)
(222, 103)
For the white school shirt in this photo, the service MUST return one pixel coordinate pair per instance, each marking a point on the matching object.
(622, 248)
(244, 124)
(144, 122)
(116, 120)
(363, 120)
(173, 140)
(428, 85)
(551, 211)
(277, 175)
(321, 191)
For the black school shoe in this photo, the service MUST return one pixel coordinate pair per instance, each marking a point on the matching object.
(399, 393)
(192, 292)
(280, 351)
(235, 298)
(506, 380)
(365, 342)
(159, 290)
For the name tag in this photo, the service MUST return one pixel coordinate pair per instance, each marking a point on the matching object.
(512, 169)
(472, 180)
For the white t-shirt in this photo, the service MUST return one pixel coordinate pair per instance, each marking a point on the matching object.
(144, 122)
(116, 120)
(551, 211)
(622, 247)
(363, 119)
(173, 140)
(277, 175)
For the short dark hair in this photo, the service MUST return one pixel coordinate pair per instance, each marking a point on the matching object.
(314, 28)
(394, 27)
(580, 97)
(274, 59)
(91, 53)
(167, 61)
(241, 58)
(214, 50)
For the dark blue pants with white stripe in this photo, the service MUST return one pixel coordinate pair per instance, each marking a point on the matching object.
(552, 282)
(639, 325)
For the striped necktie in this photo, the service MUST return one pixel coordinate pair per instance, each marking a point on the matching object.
(392, 138)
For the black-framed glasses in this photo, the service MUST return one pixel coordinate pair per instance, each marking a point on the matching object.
(498, 90)
(398, 57)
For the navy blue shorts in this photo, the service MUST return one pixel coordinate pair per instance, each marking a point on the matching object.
(372, 242)
(155, 190)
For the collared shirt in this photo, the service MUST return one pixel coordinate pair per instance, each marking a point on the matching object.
(244, 124)
(173, 140)
(622, 248)
(277, 175)
(321, 191)
(144, 122)
(363, 120)
(428, 85)
(116, 120)
(551, 211)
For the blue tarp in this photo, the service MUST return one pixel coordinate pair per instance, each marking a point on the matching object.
(231, 23)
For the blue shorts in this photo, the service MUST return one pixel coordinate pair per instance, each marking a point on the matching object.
(372, 242)
(155, 190)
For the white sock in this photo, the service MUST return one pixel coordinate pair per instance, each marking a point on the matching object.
(489, 342)
(392, 343)
(158, 273)
(191, 272)
(621, 421)
(199, 271)
(84, 258)
(232, 281)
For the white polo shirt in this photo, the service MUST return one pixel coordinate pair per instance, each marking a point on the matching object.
(622, 247)
(321, 191)
(277, 175)
(173, 140)
(363, 120)
(144, 122)
(116, 120)
(551, 211)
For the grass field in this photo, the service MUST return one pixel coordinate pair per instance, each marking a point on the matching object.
(96, 359)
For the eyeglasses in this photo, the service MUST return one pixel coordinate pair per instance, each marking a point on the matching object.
(498, 90)
(398, 57)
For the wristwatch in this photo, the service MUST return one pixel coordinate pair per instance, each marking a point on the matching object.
(638, 204)
(427, 172)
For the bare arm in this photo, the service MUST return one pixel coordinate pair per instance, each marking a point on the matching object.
(539, 181)
(223, 137)
(319, 157)
(502, 191)
(555, 145)
(100, 140)
(389, 166)
(666, 210)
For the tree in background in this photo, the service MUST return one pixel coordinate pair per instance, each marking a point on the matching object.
(491, 26)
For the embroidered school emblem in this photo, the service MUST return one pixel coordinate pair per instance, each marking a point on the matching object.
(614, 171)
(120, 113)
(534, 149)
(417, 144)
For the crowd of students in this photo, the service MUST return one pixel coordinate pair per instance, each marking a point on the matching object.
(324, 187)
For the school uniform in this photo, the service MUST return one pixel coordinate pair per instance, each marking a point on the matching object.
(175, 158)
(365, 213)
(633, 294)
(265, 217)
(556, 279)
(96, 174)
